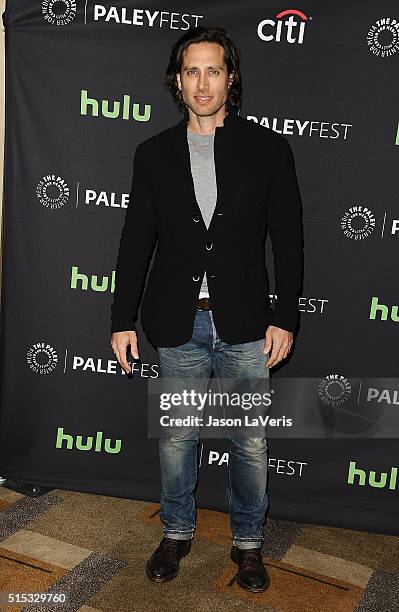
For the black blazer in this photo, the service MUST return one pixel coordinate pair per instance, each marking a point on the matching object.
(257, 190)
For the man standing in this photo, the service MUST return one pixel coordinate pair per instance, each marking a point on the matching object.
(206, 191)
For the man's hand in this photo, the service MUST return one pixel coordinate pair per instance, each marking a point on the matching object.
(280, 341)
(119, 342)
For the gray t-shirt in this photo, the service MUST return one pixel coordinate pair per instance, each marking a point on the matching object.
(204, 178)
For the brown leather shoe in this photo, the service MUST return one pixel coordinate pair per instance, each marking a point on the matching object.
(251, 574)
(164, 562)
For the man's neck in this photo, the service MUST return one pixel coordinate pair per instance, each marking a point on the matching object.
(205, 125)
(190, 131)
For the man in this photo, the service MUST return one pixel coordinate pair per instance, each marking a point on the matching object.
(206, 190)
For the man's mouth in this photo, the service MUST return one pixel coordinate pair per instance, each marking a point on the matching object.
(203, 99)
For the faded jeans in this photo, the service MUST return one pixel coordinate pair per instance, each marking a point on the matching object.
(248, 456)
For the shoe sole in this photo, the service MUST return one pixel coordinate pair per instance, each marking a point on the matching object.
(253, 589)
(157, 578)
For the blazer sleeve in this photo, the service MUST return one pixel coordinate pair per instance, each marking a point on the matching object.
(136, 245)
(286, 234)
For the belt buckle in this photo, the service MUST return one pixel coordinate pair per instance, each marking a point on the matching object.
(203, 304)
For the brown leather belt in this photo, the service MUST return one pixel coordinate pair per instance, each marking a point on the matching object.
(204, 304)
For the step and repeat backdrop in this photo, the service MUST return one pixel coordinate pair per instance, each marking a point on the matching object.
(84, 86)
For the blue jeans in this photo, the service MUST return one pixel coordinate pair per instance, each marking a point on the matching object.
(248, 457)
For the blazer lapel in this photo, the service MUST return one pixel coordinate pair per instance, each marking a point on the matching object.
(226, 168)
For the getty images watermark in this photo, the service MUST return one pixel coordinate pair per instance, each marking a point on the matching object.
(331, 407)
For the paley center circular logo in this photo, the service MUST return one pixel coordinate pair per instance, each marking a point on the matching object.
(358, 222)
(383, 37)
(59, 12)
(42, 358)
(334, 390)
(52, 191)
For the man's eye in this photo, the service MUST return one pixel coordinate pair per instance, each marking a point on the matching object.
(212, 71)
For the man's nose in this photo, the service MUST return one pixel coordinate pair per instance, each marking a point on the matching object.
(203, 82)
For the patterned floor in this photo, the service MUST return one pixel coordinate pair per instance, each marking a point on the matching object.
(94, 548)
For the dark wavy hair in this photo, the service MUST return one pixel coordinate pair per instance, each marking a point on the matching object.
(214, 34)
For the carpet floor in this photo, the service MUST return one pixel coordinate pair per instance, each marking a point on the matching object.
(94, 548)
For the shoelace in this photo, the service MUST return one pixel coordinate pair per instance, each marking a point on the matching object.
(169, 546)
(250, 557)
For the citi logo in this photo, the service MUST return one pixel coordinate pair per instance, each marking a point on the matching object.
(291, 30)
(113, 110)
(68, 441)
(383, 311)
(82, 281)
(361, 478)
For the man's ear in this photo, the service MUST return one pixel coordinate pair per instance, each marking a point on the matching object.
(178, 81)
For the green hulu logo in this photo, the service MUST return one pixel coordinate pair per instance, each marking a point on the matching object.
(358, 476)
(90, 106)
(83, 281)
(78, 443)
(383, 310)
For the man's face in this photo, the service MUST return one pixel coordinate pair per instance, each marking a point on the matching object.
(204, 80)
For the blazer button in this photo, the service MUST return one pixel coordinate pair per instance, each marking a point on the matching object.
(209, 245)
(196, 218)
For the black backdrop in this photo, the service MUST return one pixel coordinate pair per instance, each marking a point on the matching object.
(83, 88)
